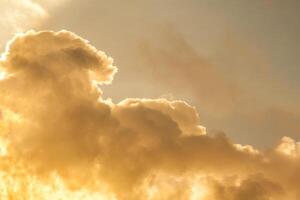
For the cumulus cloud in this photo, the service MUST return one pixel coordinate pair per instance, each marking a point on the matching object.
(61, 140)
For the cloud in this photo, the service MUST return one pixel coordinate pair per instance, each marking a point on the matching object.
(61, 140)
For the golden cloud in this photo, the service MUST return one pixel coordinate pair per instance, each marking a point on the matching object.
(61, 140)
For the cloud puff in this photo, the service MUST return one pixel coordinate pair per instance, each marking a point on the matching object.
(61, 140)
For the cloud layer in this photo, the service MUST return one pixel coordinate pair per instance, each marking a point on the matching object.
(61, 140)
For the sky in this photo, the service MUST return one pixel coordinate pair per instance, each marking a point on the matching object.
(147, 95)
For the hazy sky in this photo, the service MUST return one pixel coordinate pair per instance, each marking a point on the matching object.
(251, 91)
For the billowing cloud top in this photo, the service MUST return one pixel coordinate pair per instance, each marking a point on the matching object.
(49, 54)
(60, 140)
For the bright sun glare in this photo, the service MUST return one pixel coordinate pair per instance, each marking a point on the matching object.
(2, 75)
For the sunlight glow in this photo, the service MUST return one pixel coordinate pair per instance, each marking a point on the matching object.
(31, 188)
(2, 75)
(198, 192)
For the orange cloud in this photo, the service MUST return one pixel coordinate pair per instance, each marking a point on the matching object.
(61, 140)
